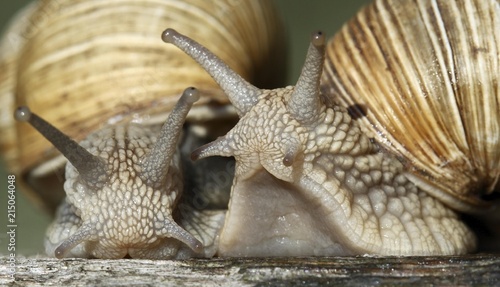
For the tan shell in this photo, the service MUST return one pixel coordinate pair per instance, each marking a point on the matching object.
(84, 64)
(425, 73)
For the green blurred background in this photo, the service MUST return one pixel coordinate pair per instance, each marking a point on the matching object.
(301, 18)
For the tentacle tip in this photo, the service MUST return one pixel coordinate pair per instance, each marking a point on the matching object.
(287, 161)
(196, 154)
(60, 252)
(172, 230)
(210, 149)
(191, 95)
(318, 38)
(22, 114)
(197, 246)
(168, 35)
(291, 153)
(201, 152)
(219, 147)
(289, 157)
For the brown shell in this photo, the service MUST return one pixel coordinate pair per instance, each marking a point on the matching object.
(423, 77)
(84, 64)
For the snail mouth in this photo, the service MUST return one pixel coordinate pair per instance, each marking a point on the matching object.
(247, 165)
(254, 164)
(277, 169)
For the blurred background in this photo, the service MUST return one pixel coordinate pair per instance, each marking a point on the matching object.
(300, 18)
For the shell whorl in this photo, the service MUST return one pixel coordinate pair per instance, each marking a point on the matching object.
(428, 91)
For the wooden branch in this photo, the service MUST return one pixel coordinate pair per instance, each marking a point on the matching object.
(481, 270)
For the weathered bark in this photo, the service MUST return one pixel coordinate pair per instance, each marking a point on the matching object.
(481, 270)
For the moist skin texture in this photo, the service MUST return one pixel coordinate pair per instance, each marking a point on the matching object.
(323, 188)
(309, 182)
(123, 186)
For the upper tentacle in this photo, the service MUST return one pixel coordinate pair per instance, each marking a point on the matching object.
(242, 94)
(305, 102)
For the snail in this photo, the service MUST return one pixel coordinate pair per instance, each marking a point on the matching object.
(99, 73)
(122, 185)
(327, 167)
(319, 172)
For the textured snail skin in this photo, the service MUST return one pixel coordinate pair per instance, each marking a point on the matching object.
(122, 185)
(309, 182)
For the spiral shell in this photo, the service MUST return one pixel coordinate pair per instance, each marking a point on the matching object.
(85, 64)
(423, 78)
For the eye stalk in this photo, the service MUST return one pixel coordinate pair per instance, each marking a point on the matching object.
(242, 94)
(156, 163)
(92, 169)
(304, 102)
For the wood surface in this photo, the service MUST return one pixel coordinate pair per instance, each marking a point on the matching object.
(470, 270)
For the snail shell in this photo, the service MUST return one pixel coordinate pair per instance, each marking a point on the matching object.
(423, 76)
(312, 180)
(86, 64)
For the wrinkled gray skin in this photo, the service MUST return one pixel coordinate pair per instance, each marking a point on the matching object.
(123, 186)
(308, 182)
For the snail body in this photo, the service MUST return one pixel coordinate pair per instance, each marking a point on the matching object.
(122, 185)
(332, 191)
(312, 180)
